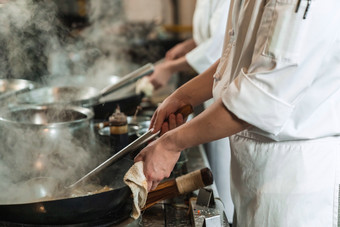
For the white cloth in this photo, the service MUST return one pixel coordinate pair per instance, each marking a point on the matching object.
(209, 23)
(136, 180)
(280, 73)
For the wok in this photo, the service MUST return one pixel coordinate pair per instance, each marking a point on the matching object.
(85, 96)
(115, 204)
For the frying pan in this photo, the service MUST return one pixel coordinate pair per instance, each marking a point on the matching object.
(85, 96)
(116, 203)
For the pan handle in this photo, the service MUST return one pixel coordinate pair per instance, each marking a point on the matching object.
(179, 186)
(125, 80)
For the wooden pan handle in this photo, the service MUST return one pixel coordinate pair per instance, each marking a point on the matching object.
(194, 180)
(185, 110)
(181, 185)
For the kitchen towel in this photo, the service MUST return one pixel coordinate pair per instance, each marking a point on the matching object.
(136, 180)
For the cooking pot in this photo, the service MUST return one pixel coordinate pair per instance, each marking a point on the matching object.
(84, 96)
(49, 140)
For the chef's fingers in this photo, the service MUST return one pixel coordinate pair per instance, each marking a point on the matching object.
(165, 128)
(172, 121)
(139, 157)
(179, 120)
(153, 118)
(149, 183)
(154, 185)
(158, 121)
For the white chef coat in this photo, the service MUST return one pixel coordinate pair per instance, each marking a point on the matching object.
(281, 73)
(209, 23)
(275, 64)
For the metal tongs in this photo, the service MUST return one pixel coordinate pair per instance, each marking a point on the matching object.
(185, 111)
(131, 147)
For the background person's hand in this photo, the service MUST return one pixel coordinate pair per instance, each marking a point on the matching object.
(161, 75)
(180, 49)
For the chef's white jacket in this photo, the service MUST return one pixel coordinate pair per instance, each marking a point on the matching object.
(209, 23)
(280, 72)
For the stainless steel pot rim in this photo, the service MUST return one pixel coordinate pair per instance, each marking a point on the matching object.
(86, 112)
(13, 86)
(59, 95)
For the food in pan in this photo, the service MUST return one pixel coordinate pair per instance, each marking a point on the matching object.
(84, 191)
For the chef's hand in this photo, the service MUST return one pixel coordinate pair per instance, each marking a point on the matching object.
(161, 74)
(159, 159)
(165, 111)
(180, 49)
(160, 156)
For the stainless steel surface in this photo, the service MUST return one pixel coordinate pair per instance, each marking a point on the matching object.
(42, 136)
(85, 96)
(48, 116)
(207, 216)
(12, 86)
(131, 147)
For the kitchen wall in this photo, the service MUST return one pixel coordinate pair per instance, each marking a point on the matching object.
(162, 11)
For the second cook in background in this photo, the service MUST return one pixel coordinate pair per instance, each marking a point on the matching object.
(203, 49)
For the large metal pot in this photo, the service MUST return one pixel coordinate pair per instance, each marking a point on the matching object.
(51, 140)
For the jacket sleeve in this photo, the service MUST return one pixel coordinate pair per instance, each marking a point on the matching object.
(288, 58)
(207, 52)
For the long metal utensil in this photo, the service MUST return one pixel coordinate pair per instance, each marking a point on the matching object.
(131, 147)
(185, 111)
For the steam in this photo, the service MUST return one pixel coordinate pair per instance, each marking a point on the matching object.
(35, 45)
(29, 32)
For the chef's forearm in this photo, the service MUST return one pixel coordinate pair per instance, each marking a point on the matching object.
(178, 65)
(199, 89)
(214, 123)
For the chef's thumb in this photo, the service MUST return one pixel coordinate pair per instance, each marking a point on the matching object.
(139, 157)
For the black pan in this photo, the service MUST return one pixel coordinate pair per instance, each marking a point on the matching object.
(115, 204)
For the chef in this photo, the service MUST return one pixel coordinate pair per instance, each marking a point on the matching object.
(277, 94)
(198, 53)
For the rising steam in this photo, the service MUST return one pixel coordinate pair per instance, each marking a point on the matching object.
(35, 45)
